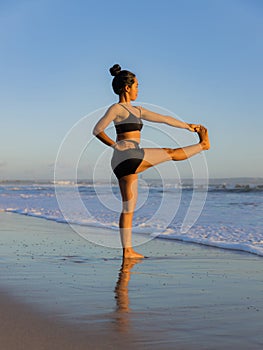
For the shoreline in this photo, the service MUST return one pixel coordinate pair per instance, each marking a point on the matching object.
(61, 291)
(141, 241)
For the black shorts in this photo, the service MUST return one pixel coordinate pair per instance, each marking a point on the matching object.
(127, 162)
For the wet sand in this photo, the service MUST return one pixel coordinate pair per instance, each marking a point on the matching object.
(59, 291)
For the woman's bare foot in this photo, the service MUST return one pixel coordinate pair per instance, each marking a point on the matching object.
(203, 136)
(129, 253)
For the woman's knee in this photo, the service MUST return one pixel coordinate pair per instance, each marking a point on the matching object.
(169, 151)
(128, 207)
(176, 153)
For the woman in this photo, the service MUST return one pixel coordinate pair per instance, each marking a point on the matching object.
(128, 158)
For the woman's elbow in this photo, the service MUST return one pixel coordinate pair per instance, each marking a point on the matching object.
(96, 131)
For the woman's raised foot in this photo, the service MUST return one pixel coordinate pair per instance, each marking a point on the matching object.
(204, 139)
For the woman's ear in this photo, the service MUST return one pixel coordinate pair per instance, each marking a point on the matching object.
(127, 88)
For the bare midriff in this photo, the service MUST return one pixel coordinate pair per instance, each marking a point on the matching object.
(131, 135)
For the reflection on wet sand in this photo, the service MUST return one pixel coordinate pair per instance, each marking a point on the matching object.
(122, 293)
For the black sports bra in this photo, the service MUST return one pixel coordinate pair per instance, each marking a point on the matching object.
(132, 123)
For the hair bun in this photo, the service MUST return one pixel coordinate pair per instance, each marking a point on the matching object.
(115, 70)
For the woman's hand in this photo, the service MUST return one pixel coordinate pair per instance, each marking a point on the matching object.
(193, 127)
(123, 145)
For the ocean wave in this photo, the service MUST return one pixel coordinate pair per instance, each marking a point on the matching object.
(213, 185)
(245, 247)
(230, 237)
(232, 221)
(236, 188)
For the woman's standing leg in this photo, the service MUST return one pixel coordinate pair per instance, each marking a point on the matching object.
(129, 192)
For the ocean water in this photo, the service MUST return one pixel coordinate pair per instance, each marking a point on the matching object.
(227, 214)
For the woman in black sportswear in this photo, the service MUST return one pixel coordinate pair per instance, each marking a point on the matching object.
(128, 158)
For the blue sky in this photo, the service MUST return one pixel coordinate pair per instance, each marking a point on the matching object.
(201, 60)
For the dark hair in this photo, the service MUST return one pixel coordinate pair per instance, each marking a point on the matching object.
(121, 78)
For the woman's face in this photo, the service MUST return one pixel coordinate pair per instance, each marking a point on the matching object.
(133, 90)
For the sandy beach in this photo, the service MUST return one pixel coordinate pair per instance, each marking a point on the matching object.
(59, 291)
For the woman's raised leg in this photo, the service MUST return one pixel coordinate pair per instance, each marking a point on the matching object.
(154, 156)
(129, 192)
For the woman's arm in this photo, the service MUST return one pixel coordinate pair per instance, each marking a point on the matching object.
(159, 118)
(102, 124)
(105, 139)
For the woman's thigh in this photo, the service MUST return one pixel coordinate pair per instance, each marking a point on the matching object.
(153, 156)
(129, 191)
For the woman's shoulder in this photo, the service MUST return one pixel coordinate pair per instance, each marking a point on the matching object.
(115, 112)
(121, 109)
(115, 107)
